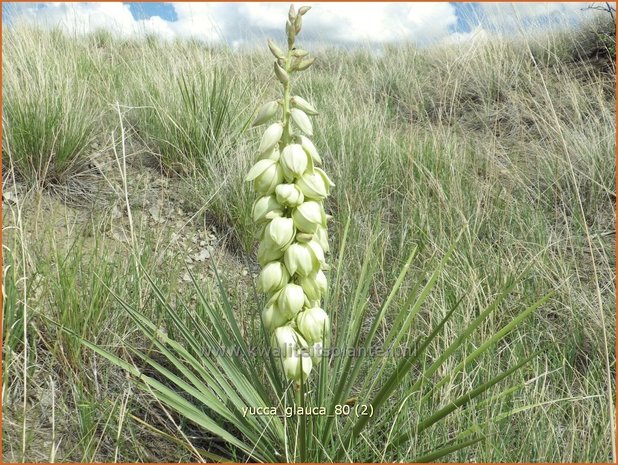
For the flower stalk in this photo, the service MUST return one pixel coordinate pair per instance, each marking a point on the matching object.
(291, 218)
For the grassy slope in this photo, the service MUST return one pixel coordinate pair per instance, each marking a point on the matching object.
(512, 141)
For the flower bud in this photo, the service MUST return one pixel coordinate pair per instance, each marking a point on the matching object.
(298, 24)
(302, 104)
(287, 340)
(264, 205)
(292, 13)
(299, 53)
(302, 121)
(272, 317)
(270, 179)
(267, 175)
(304, 237)
(268, 251)
(289, 195)
(271, 137)
(303, 9)
(314, 185)
(281, 231)
(266, 112)
(303, 65)
(317, 251)
(272, 154)
(290, 32)
(308, 215)
(300, 259)
(291, 300)
(314, 285)
(321, 281)
(273, 277)
(321, 237)
(316, 352)
(275, 50)
(327, 180)
(313, 324)
(294, 161)
(294, 63)
(281, 74)
(297, 367)
(306, 144)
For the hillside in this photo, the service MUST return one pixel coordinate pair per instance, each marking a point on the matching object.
(124, 162)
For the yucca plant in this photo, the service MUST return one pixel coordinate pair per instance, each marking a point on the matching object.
(219, 370)
(292, 219)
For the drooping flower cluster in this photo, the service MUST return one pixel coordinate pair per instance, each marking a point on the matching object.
(291, 216)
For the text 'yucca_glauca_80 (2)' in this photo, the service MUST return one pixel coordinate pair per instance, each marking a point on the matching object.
(291, 217)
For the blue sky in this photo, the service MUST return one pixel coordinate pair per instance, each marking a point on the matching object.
(145, 10)
(330, 22)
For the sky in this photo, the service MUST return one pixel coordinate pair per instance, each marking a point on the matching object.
(331, 23)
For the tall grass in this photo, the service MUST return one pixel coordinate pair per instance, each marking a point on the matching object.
(49, 113)
(189, 119)
(503, 139)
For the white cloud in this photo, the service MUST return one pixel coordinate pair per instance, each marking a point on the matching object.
(157, 26)
(476, 35)
(510, 16)
(200, 20)
(264, 15)
(389, 22)
(358, 22)
(329, 23)
(77, 18)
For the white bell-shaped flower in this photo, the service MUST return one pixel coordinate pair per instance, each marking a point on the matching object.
(321, 237)
(303, 105)
(294, 161)
(281, 231)
(268, 251)
(287, 340)
(297, 367)
(291, 300)
(272, 154)
(317, 251)
(306, 144)
(272, 317)
(271, 137)
(273, 277)
(266, 174)
(316, 352)
(289, 195)
(314, 285)
(308, 216)
(313, 323)
(302, 121)
(266, 112)
(299, 258)
(315, 185)
(265, 205)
